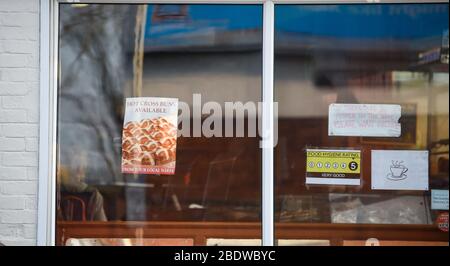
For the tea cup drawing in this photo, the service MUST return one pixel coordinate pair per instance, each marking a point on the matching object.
(397, 171)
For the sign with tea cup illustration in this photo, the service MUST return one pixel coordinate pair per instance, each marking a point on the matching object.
(399, 170)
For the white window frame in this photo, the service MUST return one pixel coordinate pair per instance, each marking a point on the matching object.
(48, 103)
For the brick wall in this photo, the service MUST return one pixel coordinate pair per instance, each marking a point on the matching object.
(19, 114)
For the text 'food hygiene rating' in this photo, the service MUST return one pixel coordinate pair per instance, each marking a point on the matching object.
(333, 167)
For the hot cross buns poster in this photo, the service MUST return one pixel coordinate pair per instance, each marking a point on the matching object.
(149, 136)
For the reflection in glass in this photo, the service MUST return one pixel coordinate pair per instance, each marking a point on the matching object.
(381, 54)
(111, 52)
(129, 242)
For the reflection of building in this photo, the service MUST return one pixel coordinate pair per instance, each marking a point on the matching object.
(192, 28)
(162, 13)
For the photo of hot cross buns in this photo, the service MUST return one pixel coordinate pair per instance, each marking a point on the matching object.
(150, 142)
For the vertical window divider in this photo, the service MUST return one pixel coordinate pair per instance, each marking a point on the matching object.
(268, 126)
(48, 72)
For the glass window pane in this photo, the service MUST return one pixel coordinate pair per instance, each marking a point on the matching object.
(113, 56)
(347, 77)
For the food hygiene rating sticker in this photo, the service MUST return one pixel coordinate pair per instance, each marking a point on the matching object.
(333, 167)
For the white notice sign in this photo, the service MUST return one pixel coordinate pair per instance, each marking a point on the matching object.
(400, 170)
(439, 199)
(365, 120)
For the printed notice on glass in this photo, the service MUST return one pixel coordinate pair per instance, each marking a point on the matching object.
(439, 199)
(333, 167)
(365, 120)
(399, 170)
(149, 136)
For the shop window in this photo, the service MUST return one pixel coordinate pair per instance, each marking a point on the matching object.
(149, 154)
(382, 65)
(111, 53)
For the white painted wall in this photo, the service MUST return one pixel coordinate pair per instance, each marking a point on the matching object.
(19, 118)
